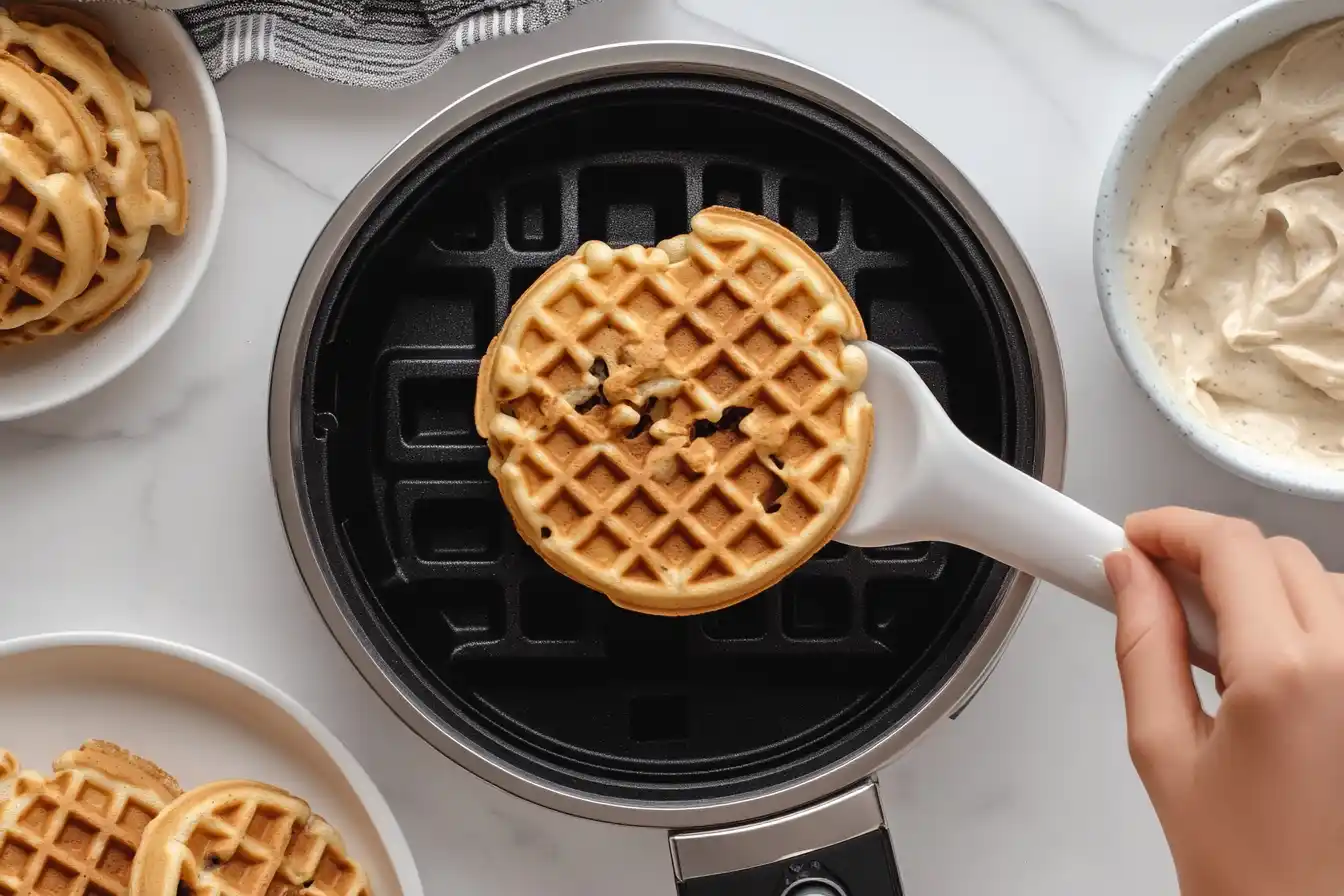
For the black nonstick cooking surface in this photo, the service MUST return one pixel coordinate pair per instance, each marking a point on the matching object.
(532, 668)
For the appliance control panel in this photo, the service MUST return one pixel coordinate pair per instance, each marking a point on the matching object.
(838, 847)
(863, 866)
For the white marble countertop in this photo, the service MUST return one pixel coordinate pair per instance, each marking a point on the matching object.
(148, 506)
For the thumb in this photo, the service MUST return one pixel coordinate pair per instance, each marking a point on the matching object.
(1162, 709)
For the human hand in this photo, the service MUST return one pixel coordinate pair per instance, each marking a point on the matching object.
(1252, 800)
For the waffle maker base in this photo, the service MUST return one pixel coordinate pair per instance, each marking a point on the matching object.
(543, 686)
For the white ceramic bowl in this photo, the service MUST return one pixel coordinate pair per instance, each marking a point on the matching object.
(53, 371)
(1235, 37)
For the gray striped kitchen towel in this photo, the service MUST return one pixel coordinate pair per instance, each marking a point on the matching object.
(366, 43)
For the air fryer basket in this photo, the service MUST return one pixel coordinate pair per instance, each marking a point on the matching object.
(413, 558)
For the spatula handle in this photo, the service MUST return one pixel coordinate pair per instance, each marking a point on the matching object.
(1002, 512)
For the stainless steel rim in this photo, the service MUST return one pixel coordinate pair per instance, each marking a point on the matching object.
(632, 58)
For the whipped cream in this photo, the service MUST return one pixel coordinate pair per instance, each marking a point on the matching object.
(1235, 251)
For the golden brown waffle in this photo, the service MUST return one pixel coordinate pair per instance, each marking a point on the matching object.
(52, 235)
(243, 838)
(117, 281)
(680, 427)
(67, 92)
(39, 110)
(153, 192)
(164, 204)
(9, 770)
(51, 14)
(143, 171)
(77, 831)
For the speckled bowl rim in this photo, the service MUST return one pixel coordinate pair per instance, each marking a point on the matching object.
(1236, 36)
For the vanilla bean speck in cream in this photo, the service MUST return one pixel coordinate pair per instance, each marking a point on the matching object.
(1236, 249)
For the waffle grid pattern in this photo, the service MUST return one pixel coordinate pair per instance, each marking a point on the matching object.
(18, 46)
(102, 90)
(73, 836)
(465, 580)
(32, 253)
(268, 848)
(131, 154)
(451, 529)
(736, 337)
(549, 675)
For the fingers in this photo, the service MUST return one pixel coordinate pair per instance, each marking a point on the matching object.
(1162, 709)
(1239, 573)
(1314, 593)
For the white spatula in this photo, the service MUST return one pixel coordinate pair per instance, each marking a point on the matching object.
(928, 482)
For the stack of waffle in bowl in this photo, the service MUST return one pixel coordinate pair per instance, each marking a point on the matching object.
(106, 822)
(88, 170)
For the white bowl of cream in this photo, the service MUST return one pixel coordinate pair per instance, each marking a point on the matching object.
(1219, 245)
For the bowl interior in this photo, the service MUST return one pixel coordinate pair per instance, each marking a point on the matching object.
(50, 372)
(1252, 29)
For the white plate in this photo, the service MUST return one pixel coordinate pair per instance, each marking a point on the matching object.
(201, 718)
(53, 371)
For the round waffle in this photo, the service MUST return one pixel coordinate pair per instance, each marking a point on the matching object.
(79, 829)
(67, 93)
(52, 235)
(118, 279)
(36, 108)
(680, 427)
(142, 172)
(86, 27)
(242, 838)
